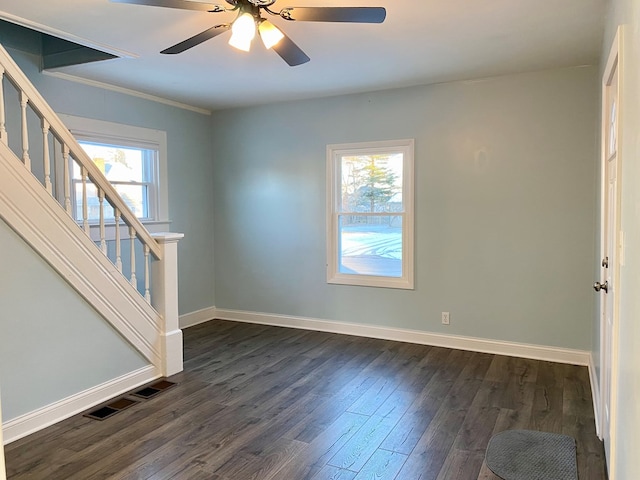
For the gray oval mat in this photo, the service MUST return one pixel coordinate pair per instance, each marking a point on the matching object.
(531, 455)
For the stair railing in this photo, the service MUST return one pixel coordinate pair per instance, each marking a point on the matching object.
(55, 138)
(58, 148)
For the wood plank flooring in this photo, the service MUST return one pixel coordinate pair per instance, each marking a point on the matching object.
(268, 403)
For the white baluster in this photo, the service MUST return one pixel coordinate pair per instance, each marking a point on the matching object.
(132, 237)
(3, 128)
(147, 294)
(56, 169)
(116, 214)
(85, 215)
(67, 179)
(103, 241)
(24, 100)
(46, 156)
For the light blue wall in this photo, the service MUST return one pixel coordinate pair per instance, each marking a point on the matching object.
(505, 201)
(624, 462)
(505, 206)
(52, 344)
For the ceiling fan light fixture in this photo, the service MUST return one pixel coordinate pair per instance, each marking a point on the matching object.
(249, 19)
(269, 33)
(243, 31)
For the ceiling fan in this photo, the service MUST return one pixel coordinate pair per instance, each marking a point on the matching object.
(250, 18)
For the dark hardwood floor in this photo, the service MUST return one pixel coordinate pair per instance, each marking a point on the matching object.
(268, 403)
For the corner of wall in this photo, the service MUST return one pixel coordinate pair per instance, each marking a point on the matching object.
(195, 318)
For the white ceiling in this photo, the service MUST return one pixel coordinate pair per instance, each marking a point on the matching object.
(420, 42)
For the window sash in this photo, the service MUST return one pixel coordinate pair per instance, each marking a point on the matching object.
(370, 255)
(76, 203)
(149, 161)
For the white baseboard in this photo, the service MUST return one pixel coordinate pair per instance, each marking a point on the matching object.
(197, 317)
(31, 422)
(174, 353)
(512, 349)
(595, 393)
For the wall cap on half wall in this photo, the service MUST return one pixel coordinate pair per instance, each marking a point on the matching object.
(165, 237)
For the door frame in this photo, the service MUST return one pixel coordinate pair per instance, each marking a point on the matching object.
(609, 356)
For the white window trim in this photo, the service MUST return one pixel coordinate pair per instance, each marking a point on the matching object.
(334, 154)
(91, 130)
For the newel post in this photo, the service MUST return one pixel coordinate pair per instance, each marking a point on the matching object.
(164, 275)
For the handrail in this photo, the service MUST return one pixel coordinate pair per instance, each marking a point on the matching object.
(64, 136)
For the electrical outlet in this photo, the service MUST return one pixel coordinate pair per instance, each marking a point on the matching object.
(445, 318)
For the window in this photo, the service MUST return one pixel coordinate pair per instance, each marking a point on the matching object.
(133, 159)
(129, 169)
(370, 214)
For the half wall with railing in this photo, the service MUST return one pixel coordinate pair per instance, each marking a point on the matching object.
(132, 285)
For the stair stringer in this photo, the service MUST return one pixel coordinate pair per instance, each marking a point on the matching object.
(27, 207)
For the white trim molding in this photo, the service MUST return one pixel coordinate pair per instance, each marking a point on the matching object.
(196, 318)
(498, 347)
(32, 422)
(154, 170)
(595, 393)
(126, 91)
(336, 210)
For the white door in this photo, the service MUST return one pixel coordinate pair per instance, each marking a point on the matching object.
(610, 240)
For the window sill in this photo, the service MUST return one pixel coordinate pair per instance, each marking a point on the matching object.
(153, 226)
(401, 283)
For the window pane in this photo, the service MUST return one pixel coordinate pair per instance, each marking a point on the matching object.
(119, 164)
(93, 204)
(371, 183)
(135, 196)
(370, 245)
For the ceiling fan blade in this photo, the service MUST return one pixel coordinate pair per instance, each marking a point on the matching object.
(181, 4)
(335, 14)
(290, 52)
(196, 39)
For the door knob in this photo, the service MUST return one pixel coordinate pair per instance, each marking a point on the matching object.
(601, 286)
(605, 262)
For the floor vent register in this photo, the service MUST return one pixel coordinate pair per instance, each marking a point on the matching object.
(115, 406)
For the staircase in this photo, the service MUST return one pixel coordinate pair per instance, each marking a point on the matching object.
(35, 201)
